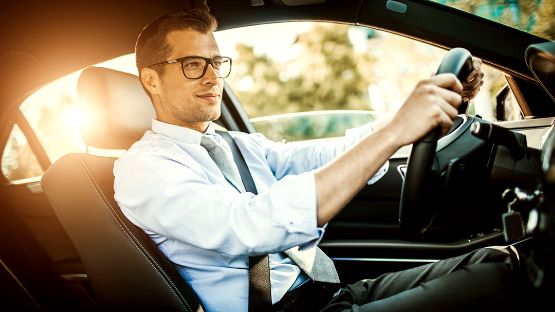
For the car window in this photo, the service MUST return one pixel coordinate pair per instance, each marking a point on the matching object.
(297, 81)
(52, 114)
(302, 81)
(532, 16)
(18, 160)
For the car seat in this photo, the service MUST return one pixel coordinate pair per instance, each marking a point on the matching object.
(125, 268)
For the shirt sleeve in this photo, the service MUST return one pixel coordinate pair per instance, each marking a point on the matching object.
(175, 200)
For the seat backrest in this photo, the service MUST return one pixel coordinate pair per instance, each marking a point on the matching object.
(125, 268)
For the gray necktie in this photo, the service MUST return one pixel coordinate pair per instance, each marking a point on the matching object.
(313, 261)
(223, 160)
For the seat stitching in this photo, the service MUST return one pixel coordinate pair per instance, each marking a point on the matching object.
(126, 230)
(99, 191)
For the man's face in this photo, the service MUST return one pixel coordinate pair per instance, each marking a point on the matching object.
(187, 102)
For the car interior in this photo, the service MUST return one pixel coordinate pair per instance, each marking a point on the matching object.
(67, 246)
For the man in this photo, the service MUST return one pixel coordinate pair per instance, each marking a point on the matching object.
(168, 184)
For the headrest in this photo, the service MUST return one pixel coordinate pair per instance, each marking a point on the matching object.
(116, 108)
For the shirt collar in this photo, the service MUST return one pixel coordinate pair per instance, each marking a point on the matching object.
(179, 133)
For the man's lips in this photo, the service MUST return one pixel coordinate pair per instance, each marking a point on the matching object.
(209, 95)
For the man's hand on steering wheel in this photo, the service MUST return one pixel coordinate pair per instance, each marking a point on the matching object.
(433, 102)
(458, 79)
(474, 81)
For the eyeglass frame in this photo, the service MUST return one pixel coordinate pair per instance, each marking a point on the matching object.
(208, 60)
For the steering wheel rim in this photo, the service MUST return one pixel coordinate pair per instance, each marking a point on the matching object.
(415, 211)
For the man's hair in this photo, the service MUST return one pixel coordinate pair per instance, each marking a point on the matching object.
(152, 47)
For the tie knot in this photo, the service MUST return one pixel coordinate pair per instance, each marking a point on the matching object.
(207, 141)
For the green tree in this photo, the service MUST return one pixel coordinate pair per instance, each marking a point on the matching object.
(328, 74)
(545, 20)
(535, 16)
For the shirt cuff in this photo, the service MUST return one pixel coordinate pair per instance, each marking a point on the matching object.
(297, 210)
(379, 174)
(316, 241)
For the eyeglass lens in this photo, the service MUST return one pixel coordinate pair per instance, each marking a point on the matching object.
(194, 68)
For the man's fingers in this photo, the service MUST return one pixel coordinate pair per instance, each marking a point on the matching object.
(474, 80)
(472, 84)
(442, 120)
(449, 109)
(476, 70)
(476, 63)
(447, 81)
(471, 92)
(474, 75)
(450, 100)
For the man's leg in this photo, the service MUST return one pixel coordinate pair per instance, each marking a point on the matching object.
(474, 277)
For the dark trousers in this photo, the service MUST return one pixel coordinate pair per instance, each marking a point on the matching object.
(483, 280)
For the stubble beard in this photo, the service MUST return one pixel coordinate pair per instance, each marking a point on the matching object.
(200, 115)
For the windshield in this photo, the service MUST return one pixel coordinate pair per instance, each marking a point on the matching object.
(532, 16)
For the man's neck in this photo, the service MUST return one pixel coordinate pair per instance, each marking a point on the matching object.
(200, 126)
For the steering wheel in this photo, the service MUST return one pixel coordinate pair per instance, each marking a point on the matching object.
(416, 213)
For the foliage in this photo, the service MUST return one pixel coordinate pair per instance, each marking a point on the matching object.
(534, 16)
(326, 74)
(545, 25)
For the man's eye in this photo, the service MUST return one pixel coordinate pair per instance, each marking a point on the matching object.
(192, 64)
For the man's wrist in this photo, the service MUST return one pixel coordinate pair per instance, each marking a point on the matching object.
(389, 136)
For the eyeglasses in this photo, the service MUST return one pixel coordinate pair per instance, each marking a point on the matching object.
(194, 67)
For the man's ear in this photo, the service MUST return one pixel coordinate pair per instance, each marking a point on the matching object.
(150, 80)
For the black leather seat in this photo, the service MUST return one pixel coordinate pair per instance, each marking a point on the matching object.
(126, 270)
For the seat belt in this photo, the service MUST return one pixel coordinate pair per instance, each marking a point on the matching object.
(260, 295)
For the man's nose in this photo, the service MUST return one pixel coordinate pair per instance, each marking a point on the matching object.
(211, 74)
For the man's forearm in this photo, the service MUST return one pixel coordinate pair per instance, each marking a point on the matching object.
(340, 180)
(433, 103)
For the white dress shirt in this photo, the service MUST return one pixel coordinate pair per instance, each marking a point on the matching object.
(168, 185)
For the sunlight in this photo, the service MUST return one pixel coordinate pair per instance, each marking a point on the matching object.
(53, 112)
(74, 118)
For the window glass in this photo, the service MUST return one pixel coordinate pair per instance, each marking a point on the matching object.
(300, 81)
(297, 81)
(18, 161)
(54, 116)
(532, 16)
(52, 113)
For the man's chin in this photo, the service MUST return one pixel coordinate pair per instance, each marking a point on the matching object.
(212, 115)
(216, 116)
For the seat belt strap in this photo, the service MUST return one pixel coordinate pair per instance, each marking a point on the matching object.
(260, 295)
